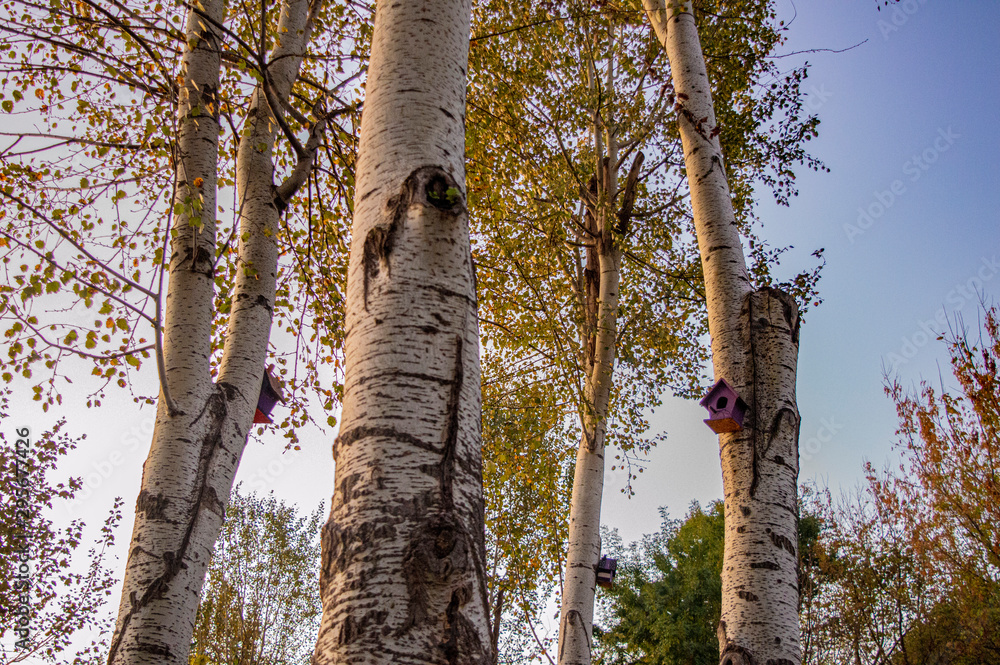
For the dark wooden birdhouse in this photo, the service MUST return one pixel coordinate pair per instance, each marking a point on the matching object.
(725, 408)
(270, 394)
(606, 571)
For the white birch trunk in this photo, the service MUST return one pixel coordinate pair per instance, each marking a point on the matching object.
(577, 613)
(603, 277)
(403, 577)
(189, 472)
(755, 348)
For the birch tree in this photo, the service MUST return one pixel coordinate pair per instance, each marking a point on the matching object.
(403, 565)
(202, 425)
(210, 347)
(563, 99)
(755, 336)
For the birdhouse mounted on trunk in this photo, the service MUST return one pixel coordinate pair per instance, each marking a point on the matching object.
(270, 394)
(725, 408)
(606, 571)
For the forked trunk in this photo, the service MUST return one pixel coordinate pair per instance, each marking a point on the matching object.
(403, 568)
(755, 348)
(199, 437)
(605, 228)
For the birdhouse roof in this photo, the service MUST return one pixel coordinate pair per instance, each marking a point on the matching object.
(274, 383)
(721, 386)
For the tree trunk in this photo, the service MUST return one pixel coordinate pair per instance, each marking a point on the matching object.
(603, 275)
(755, 348)
(168, 548)
(403, 568)
(201, 429)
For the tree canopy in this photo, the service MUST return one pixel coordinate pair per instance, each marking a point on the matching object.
(260, 603)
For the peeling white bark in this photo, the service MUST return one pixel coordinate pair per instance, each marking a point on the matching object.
(755, 348)
(402, 575)
(189, 472)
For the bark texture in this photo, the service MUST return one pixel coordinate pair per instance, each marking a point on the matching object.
(755, 348)
(196, 446)
(161, 586)
(402, 576)
(577, 613)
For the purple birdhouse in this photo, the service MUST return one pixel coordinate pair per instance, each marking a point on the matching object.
(606, 571)
(270, 394)
(725, 408)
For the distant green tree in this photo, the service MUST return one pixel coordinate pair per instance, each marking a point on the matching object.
(260, 604)
(665, 604)
(667, 598)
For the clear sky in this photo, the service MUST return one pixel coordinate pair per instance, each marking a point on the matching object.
(909, 130)
(909, 219)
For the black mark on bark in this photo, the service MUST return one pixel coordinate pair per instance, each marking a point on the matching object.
(447, 467)
(734, 654)
(427, 185)
(260, 301)
(155, 649)
(462, 643)
(201, 261)
(347, 486)
(769, 565)
(772, 434)
(781, 541)
(202, 496)
(379, 243)
(364, 432)
(352, 628)
(337, 543)
(400, 374)
(448, 293)
(153, 506)
(747, 596)
(434, 554)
